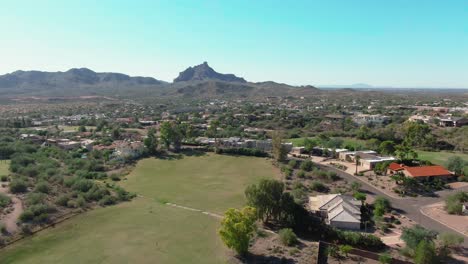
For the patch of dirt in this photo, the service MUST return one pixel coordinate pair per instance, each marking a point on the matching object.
(13, 211)
(437, 212)
(268, 249)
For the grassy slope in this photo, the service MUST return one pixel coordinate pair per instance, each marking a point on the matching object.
(144, 230)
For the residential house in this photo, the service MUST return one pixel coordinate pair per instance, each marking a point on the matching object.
(367, 159)
(453, 122)
(337, 210)
(297, 150)
(365, 119)
(427, 172)
(129, 150)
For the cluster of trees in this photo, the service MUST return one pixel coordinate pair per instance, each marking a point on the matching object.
(427, 246)
(173, 133)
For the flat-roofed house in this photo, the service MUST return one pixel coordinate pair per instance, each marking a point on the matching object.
(337, 210)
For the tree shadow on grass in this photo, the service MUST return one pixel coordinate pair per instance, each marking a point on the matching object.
(193, 153)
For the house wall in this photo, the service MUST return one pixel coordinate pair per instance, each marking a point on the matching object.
(345, 225)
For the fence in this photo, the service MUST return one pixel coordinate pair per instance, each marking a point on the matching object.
(56, 221)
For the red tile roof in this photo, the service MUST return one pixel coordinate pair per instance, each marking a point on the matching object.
(427, 171)
(395, 166)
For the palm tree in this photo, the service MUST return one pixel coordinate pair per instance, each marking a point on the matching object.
(358, 158)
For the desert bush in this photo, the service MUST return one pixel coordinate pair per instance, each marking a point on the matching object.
(62, 200)
(301, 174)
(18, 186)
(42, 187)
(318, 186)
(292, 164)
(35, 198)
(4, 200)
(307, 165)
(287, 236)
(107, 200)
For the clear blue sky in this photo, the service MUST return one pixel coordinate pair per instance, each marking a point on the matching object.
(405, 43)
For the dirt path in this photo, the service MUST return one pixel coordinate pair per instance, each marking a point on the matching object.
(10, 219)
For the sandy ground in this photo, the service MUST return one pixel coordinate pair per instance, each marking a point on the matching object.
(10, 219)
(351, 169)
(437, 212)
(458, 185)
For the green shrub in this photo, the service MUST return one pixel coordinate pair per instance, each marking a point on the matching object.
(318, 186)
(18, 186)
(4, 178)
(115, 177)
(35, 198)
(80, 201)
(82, 185)
(4, 200)
(332, 176)
(287, 236)
(42, 187)
(307, 165)
(107, 200)
(292, 164)
(301, 174)
(62, 200)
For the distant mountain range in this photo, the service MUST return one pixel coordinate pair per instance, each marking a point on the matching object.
(200, 81)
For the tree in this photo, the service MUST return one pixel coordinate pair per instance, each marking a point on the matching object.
(360, 196)
(279, 151)
(116, 133)
(358, 158)
(413, 235)
(151, 142)
(171, 135)
(387, 147)
(425, 253)
(309, 144)
(456, 164)
(82, 129)
(270, 201)
(404, 152)
(237, 228)
(383, 203)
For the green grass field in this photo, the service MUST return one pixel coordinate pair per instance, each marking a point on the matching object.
(4, 167)
(441, 157)
(145, 230)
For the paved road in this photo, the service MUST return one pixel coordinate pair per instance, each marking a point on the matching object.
(410, 206)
